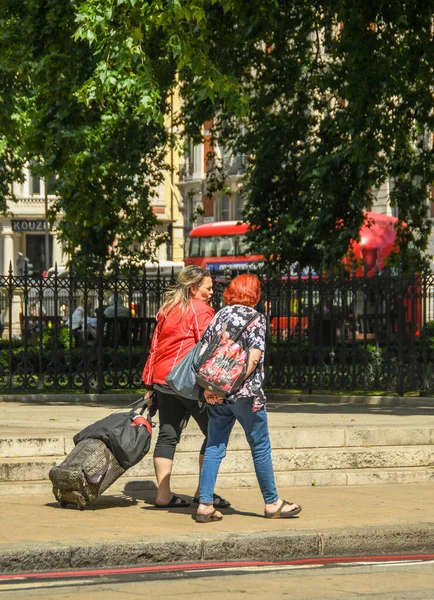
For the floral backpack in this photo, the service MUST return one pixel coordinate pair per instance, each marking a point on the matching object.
(223, 365)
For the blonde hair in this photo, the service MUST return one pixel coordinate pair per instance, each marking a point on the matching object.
(180, 293)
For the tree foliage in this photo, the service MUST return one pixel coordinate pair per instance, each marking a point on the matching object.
(340, 101)
(327, 99)
(104, 156)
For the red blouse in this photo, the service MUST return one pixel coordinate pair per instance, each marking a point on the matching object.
(173, 337)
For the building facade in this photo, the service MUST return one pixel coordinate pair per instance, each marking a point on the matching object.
(24, 231)
(196, 167)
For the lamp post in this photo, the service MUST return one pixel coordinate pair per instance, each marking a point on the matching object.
(47, 239)
(170, 227)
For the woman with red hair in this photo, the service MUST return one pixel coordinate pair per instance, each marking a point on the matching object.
(246, 405)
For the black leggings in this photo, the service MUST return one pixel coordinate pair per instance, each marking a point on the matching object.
(173, 411)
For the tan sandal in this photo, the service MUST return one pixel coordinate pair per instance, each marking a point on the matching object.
(278, 514)
(208, 518)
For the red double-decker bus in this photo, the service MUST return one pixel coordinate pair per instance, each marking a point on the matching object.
(219, 246)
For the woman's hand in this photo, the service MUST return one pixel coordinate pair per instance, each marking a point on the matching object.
(212, 398)
(148, 397)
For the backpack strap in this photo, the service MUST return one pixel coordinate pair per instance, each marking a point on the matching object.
(195, 333)
(241, 331)
(216, 337)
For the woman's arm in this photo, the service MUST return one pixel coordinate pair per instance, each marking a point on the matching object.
(254, 358)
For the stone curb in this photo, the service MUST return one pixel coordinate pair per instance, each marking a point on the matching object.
(280, 397)
(104, 399)
(257, 545)
(272, 396)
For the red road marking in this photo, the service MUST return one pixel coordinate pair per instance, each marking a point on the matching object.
(214, 565)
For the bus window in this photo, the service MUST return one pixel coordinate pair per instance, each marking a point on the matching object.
(193, 247)
(242, 246)
(225, 245)
(207, 246)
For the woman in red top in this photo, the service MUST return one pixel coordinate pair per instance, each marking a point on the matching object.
(181, 321)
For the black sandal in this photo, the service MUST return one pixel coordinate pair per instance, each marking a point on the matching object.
(175, 502)
(218, 501)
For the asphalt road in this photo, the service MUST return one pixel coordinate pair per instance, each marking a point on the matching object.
(397, 578)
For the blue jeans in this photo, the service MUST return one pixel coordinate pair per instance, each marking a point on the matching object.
(221, 420)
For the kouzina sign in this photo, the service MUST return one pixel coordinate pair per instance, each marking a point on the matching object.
(28, 225)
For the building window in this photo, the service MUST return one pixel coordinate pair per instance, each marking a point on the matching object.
(34, 181)
(35, 186)
(189, 157)
(239, 205)
(225, 209)
(191, 166)
(51, 185)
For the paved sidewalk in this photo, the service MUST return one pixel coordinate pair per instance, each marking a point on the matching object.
(36, 534)
(63, 418)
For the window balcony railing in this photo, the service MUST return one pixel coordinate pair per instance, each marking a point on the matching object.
(189, 169)
(230, 164)
(234, 164)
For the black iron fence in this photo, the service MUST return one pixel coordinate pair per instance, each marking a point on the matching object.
(324, 333)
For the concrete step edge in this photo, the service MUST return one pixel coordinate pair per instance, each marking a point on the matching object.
(255, 545)
(141, 488)
(19, 469)
(231, 451)
(294, 439)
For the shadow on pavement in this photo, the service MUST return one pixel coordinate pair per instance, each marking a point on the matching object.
(350, 409)
(102, 503)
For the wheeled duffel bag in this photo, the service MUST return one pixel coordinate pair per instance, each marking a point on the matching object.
(103, 452)
(88, 470)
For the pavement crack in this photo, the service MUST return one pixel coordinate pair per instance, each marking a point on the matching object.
(321, 544)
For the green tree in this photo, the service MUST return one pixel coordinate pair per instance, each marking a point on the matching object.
(105, 154)
(327, 99)
(340, 99)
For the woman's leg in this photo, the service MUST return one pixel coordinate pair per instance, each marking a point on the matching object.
(221, 421)
(200, 415)
(255, 425)
(171, 414)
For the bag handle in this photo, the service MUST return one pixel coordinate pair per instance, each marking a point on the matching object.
(152, 408)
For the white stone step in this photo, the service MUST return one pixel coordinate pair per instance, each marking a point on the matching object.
(141, 488)
(240, 461)
(281, 438)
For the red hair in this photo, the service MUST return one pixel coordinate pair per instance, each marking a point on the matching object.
(244, 289)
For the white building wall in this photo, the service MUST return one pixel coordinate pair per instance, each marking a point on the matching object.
(382, 199)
